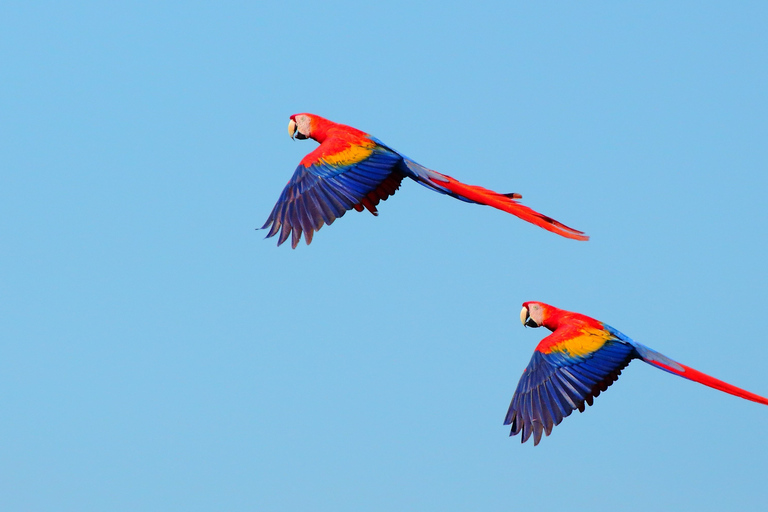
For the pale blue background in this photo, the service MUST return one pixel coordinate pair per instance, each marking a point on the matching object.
(158, 355)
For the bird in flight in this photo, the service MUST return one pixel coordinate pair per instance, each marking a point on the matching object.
(351, 169)
(580, 359)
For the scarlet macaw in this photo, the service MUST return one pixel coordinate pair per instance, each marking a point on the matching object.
(571, 366)
(351, 169)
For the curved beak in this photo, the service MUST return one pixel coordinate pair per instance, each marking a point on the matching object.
(526, 319)
(292, 128)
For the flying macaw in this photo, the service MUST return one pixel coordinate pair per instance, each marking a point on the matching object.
(571, 366)
(351, 169)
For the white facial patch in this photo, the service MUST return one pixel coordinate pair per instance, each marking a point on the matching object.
(536, 313)
(302, 122)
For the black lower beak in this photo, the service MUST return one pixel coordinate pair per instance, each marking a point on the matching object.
(300, 136)
(530, 323)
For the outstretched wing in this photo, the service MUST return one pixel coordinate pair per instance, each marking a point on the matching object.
(566, 370)
(330, 181)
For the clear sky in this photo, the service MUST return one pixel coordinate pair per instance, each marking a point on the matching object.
(157, 354)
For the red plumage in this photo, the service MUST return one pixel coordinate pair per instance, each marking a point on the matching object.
(353, 170)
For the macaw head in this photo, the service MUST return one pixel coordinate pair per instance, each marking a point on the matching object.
(534, 314)
(300, 126)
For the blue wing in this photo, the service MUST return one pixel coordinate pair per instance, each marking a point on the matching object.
(321, 193)
(556, 383)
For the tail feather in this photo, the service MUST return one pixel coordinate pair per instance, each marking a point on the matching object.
(660, 361)
(507, 203)
(480, 195)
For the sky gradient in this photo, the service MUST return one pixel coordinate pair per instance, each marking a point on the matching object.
(157, 354)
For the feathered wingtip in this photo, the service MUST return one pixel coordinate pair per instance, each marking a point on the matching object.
(308, 213)
(275, 225)
(287, 231)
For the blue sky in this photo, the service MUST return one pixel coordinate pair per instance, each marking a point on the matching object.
(157, 354)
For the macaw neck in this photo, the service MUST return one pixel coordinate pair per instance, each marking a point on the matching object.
(558, 318)
(319, 127)
(322, 128)
(552, 320)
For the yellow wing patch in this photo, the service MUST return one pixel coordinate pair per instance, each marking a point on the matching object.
(589, 340)
(351, 155)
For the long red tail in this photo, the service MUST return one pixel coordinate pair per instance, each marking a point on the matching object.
(703, 378)
(507, 203)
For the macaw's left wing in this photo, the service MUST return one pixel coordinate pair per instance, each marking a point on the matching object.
(330, 181)
(566, 370)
